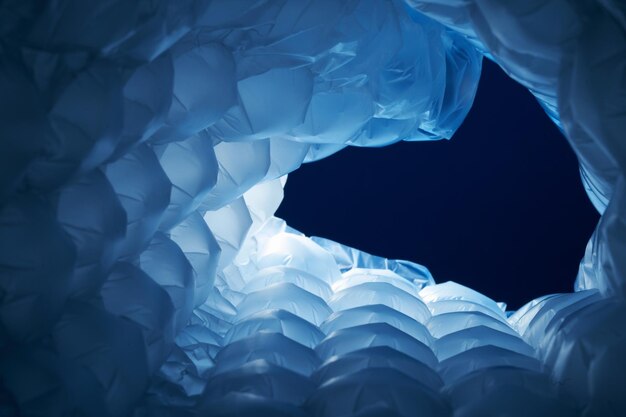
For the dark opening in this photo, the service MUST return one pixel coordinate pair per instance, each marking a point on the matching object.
(499, 208)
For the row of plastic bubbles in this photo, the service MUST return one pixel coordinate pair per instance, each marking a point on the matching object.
(298, 326)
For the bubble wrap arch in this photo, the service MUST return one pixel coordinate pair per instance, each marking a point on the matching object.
(145, 149)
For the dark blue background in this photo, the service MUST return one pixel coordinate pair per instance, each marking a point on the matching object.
(499, 208)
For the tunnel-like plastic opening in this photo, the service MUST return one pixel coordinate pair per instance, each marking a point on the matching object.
(144, 155)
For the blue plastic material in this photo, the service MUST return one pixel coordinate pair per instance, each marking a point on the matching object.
(145, 147)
